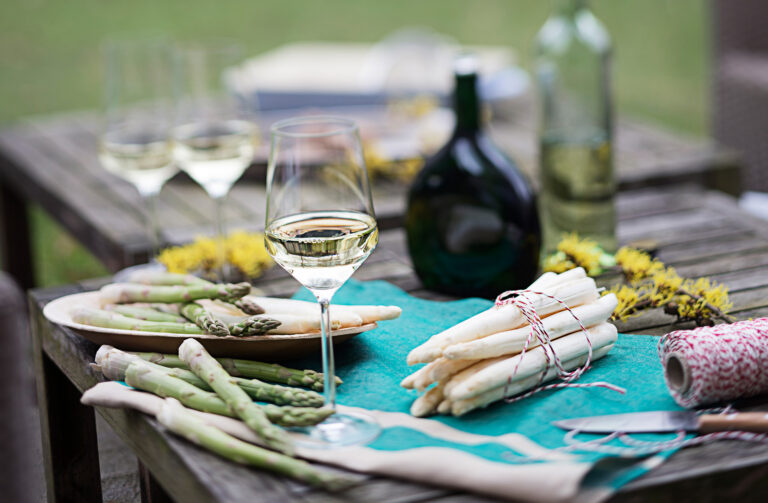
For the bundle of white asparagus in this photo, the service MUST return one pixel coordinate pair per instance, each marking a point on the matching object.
(479, 361)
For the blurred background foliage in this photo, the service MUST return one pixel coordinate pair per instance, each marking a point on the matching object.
(50, 59)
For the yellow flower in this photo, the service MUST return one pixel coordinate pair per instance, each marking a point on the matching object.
(628, 300)
(636, 264)
(243, 250)
(575, 252)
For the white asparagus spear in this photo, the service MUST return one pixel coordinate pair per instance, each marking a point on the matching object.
(508, 317)
(468, 372)
(461, 407)
(426, 404)
(513, 341)
(534, 361)
(409, 380)
(367, 314)
(446, 368)
(444, 407)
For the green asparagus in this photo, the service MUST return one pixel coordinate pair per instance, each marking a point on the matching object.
(126, 293)
(248, 306)
(144, 375)
(255, 325)
(201, 317)
(247, 368)
(165, 278)
(113, 363)
(145, 313)
(206, 367)
(179, 420)
(107, 319)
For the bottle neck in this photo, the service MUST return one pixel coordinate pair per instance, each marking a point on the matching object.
(466, 103)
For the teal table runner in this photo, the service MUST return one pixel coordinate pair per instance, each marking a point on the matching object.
(373, 364)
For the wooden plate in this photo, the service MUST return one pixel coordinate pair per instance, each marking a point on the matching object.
(258, 347)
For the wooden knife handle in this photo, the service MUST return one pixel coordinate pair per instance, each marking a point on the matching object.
(756, 422)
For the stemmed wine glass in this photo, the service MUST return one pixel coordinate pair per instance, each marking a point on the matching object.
(213, 136)
(320, 228)
(136, 143)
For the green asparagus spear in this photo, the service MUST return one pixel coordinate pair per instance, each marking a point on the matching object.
(206, 367)
(248, 306)
(165, 278)
(107, 319)
(198, 315)
(145, 376)
(179, 420)
(145, 313)
(126, 293)
(255, 325)
(113, 363)
(247, 368)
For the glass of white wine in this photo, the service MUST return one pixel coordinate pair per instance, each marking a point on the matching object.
(213, 134)
(136, 142)
(320, 228)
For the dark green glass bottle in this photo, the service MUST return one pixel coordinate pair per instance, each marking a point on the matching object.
(471, 222)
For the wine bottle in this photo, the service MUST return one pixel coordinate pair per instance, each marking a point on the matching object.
(471, 223)
(572, 67)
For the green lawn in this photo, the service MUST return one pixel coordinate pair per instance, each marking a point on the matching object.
(49, 57)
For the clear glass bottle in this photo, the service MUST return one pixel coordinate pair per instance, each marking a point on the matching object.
(471, 223)
(572, 70)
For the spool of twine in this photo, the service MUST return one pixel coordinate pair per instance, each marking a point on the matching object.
(709, 365)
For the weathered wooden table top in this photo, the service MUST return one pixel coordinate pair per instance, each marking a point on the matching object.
(700, 233)
(53, 162)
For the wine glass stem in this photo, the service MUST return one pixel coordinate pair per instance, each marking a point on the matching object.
(329, 371)
(220, 248)
(150, 199)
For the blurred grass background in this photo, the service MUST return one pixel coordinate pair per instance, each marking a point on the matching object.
(50, 60)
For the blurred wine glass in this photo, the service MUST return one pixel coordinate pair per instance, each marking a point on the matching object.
(213, 135)
(320, 228)
(135, 144)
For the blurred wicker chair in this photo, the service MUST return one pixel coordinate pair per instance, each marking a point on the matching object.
(21, 476)
(740, 52)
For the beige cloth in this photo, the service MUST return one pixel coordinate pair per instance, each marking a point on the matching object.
(556, 480)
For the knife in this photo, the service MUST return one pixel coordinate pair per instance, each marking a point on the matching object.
(665, 421)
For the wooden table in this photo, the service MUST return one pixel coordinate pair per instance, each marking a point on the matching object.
(52, 162)
(700, 233)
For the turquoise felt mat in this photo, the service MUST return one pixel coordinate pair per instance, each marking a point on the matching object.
(373, 364)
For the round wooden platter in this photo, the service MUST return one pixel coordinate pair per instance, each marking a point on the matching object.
(259, 347)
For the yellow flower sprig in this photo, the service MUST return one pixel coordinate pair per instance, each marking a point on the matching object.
(243, 250)
(649, 283)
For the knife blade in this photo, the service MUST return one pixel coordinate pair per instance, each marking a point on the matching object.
(665, 421)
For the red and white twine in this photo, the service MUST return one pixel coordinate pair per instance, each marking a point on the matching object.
(724, 362)
(521, 300)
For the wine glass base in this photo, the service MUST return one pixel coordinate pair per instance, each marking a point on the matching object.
(339, 430)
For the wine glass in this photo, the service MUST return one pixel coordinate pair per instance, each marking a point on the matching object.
(136, 143)
(320, 228)
(213, 136)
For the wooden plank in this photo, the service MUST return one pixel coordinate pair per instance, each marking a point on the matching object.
(15, 246)
(70, 452)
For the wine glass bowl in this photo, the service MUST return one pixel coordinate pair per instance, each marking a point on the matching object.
(320, 227)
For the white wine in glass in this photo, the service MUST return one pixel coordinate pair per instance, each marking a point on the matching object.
(320, 228)
(213, 136)
(136, 143)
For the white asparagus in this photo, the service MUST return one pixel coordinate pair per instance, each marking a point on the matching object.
(426, 404)
(513, 341)
(534, 361)
(295, 322)
(508, 317)
(460, 407)
(468, 372)
(444, 407)
(346, 314)
(423, 380)
(415, 380)
(446, 368)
